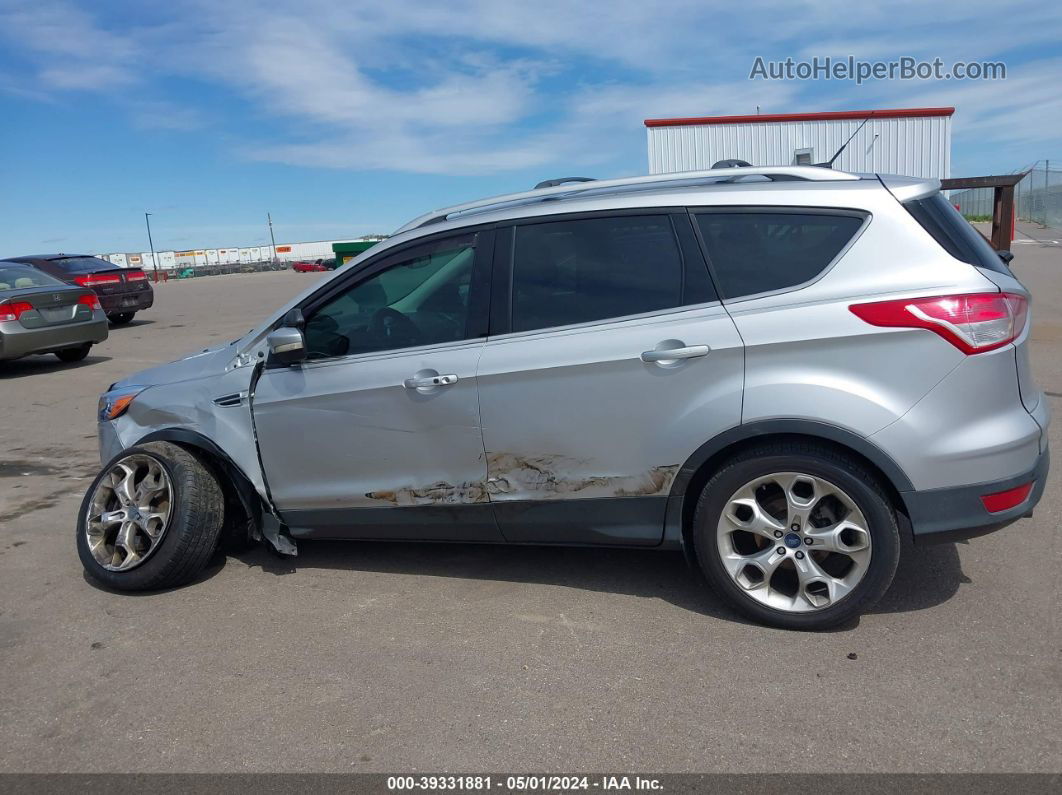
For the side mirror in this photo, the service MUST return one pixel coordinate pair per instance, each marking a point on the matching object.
(293, 319)
(1006, 256)
(286, 345)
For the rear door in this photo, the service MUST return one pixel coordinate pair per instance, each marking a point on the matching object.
(610, 362)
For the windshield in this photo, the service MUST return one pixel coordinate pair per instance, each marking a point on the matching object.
(16, 278)
(82, 264)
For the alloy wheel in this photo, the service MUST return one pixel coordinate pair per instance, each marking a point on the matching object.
(129, 512)
(794, 542)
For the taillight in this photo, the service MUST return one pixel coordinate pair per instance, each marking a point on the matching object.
(136, 276)
(13, 311)
(973, 323)
(1005, 500)
(91, 301)
(97, 279)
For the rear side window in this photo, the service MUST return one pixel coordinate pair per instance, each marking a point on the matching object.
(954, 233)
(757, 252)
(581, 270)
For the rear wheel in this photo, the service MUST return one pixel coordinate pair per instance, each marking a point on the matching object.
(150, 519)
(796, 536)
(121, 318)
(74, 354)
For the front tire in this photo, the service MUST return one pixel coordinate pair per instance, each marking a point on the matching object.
(796, 535)
(74, 354)
(151, 519)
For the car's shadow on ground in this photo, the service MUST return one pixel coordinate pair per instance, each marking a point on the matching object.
(927, 576)
(45, 363)
(117, 327)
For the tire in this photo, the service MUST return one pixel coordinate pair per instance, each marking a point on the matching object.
(121, 318)
(778, 471)
(74, 354)
(195, 510)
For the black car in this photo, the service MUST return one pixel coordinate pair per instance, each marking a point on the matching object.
(122, 291)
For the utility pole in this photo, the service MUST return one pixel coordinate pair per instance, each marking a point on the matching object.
(151, 244)
(271, 238)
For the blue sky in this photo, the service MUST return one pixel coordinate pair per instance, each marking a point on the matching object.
(346, 118)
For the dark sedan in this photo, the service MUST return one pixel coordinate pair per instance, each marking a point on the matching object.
(40, 314)
(122, 291)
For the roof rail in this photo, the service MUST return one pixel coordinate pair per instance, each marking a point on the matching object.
(552, 183)
(672, 179)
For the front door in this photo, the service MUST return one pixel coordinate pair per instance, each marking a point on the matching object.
(616, 363)
(377, 433)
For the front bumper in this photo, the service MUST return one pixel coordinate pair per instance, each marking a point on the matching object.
(16, 340)
(951, 514)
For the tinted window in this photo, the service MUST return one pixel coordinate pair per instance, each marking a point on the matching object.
(954, 233)
(577, 271)
(756, 252)
(82, 264)
(19, 278)
(421, 298)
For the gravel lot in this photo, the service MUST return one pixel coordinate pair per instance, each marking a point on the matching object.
(402, 657)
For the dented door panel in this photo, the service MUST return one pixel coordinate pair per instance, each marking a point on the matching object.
(349, 434)
(575, 414)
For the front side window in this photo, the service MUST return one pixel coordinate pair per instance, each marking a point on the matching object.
(420, 298)
(757, 252)
(587, 269)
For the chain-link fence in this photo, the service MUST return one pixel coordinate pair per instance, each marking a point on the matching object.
(1037, 198)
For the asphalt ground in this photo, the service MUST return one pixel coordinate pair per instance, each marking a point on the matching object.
(378, 657)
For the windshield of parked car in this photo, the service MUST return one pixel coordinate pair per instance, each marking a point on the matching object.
(82, 264)
(17, 278)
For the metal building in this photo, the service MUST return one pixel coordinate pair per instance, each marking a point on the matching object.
(911, 141)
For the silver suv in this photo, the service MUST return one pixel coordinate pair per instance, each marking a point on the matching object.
(779, 371)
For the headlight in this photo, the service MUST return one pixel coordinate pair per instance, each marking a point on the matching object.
(113, 404)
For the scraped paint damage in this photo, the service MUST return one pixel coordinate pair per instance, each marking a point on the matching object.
(545, 475)
(541, 477)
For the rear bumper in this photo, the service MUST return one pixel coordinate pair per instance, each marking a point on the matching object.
(17, 341)
(951, 514)
(127, 302)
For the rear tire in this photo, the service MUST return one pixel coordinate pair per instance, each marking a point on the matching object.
(174, 552)
(121, 318)
(74, 354)
(787, 494)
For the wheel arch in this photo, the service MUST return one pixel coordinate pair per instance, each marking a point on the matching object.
(707, 459)
(235, 484)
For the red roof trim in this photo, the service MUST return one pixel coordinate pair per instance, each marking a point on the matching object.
(897, 113)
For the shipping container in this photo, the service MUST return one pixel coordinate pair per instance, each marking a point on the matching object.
(167, 260)
(212, 256)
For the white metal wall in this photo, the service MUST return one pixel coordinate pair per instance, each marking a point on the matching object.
(917, 146)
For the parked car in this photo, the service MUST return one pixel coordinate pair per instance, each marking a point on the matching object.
(779, 371)
(317, 265)
(122, 291)
(40, 314)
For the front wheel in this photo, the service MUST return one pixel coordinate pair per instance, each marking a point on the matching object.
(797, 536)
(150, 519)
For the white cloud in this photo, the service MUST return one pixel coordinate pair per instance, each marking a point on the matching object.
(479, 86)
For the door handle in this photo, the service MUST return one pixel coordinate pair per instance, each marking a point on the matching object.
(671, 354)
(429, 381)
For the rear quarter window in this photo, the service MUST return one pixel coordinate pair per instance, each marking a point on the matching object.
(753, 251)
(953, 232)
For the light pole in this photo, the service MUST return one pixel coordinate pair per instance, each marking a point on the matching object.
(154, 259)
(271, 238)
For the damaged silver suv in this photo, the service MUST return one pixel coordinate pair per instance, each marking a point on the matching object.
(779, 371)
